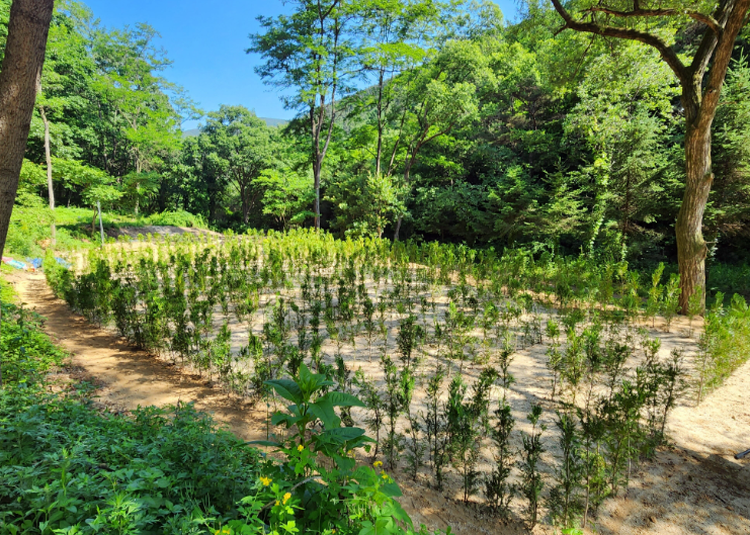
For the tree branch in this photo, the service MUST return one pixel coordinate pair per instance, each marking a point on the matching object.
(708, 44)
(735, 17)
(669, 55)
(708, 20)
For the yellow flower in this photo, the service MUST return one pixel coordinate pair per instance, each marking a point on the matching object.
(300, 447)
(384, 475)
(287, 497)
(377, 464)
(277, 503)
(265, 480)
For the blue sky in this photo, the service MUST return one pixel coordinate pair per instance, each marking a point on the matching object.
(207, 46)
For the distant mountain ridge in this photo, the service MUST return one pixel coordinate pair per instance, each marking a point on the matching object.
(269, 121)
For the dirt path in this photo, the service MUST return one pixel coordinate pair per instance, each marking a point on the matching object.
(695, 487)
(129, 377)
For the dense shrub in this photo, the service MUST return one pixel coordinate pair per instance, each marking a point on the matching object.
(25, 353)
(180, 218)
(63, 465)
(725, 344)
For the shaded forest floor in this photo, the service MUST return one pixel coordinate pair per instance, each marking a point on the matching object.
(694, 486)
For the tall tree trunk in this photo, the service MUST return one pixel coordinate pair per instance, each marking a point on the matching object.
(48, 158)
(400, 217)
(24, 55)
(398, 227)
(315, 124)
(317, 165)
(245, 204)
(691, 247)
(626, 208)
(20, 72)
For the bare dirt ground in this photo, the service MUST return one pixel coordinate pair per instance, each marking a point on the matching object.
(693, 487)
(134, 232)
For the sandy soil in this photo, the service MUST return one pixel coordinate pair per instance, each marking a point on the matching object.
(693, 487)
(130, 377)
(134, 232)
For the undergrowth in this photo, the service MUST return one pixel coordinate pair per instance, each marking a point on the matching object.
(725, 343)
(68, 466)
(29, 233)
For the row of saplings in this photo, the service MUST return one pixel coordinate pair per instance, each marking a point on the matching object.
(170, 307)
(607, 417)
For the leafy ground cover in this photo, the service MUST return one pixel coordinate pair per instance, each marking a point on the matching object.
(29, 233)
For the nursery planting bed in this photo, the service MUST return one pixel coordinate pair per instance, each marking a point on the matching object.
(470, 317)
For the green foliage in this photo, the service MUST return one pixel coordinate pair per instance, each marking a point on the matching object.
(725, 342)
(364, 204)
(287, 196)
(322, 488)
(179, 218)
(31, 179)
(467, 421)
(137, 188)
(498, 490)
(399, 387)
(726, 215)
(25, 353)
(670, 304)
(237, 147)
(565, 500)
(29, 226)
(66, 466)
(531, 479)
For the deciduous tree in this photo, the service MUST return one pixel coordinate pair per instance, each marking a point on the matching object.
(311, 52)
(701, 81)
(238, 146)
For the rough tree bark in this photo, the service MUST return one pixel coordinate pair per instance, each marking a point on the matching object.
(24, 55)
(719, 34)
(20, 71)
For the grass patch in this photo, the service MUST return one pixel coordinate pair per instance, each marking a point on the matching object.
(30, 226)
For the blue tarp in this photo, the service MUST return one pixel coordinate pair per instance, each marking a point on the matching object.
(33, 263)
(14, 263)
(64, 263)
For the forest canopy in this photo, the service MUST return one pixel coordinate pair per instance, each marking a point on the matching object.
(440, 120)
